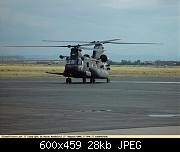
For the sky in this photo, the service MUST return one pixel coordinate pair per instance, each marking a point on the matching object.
(28, 22)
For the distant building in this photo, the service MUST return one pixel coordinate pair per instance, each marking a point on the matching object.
(166, 63)
(11, 59)
(148, 63)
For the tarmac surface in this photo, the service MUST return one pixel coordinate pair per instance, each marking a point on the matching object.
(50, 106)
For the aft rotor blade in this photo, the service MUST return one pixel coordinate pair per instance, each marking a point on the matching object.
(85, 48)
(90, 42)
(108, 41)
(103, 42)
(66, 41)
(132, 43)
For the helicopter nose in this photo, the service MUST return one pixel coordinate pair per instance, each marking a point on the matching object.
(73, 69)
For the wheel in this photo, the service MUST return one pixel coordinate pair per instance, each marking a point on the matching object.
(92, 80)
(84, 80)
(107, 80)
(68, 80)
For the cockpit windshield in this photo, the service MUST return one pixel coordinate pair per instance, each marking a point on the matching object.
(74, 62)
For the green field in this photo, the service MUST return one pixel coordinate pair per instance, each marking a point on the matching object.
(145, 71)
(39, 70)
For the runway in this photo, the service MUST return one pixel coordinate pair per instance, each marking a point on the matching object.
(49, 106)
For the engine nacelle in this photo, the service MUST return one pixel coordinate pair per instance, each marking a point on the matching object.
(61, 56)
(86, 55)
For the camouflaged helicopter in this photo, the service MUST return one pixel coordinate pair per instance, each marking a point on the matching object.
(85, 66)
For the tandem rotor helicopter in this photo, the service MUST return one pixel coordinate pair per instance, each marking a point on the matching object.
(85, 66)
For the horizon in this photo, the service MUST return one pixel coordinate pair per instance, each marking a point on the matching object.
(43, 58)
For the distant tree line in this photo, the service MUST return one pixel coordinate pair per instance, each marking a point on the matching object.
(139, 62)
(22, 59)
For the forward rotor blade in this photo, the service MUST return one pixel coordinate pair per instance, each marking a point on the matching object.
(47, 46)
(38, 46)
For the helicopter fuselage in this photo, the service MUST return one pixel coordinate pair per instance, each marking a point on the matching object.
(79, 66)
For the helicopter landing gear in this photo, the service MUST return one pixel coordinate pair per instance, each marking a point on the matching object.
(84, 80)
(68, 80)
(107, 80)
(92, 80)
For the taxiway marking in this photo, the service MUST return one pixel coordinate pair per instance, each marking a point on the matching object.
(152, 82)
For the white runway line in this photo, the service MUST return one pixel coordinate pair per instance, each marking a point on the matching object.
(152, 82)
(164, 115)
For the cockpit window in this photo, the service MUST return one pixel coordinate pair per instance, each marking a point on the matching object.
(75, 62)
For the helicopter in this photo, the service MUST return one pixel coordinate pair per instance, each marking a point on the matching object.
(85, 66)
